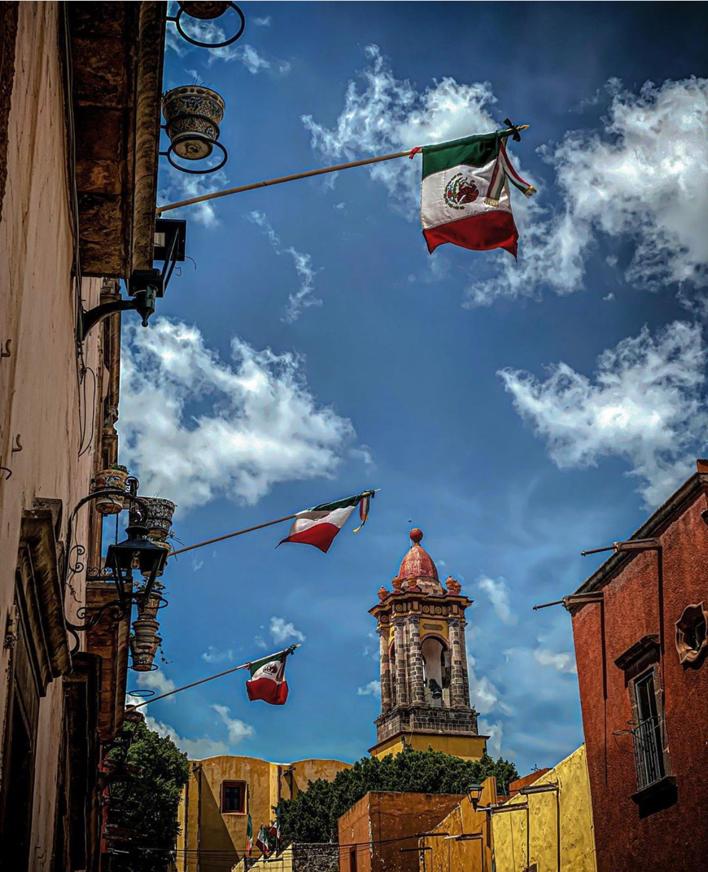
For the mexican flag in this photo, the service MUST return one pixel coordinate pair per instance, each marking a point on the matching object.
(318, 526)
(465, 193)
(249, 835)
(267, 681)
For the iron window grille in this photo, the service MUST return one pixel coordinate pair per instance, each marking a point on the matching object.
(647, 734)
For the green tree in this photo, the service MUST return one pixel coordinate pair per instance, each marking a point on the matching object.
(145, 799)
(313, 814)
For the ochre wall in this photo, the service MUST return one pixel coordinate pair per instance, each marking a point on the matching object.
(449, 855)
(210, 841)
(466, 747)
(576, 830)
(38, 381)
(671, 838)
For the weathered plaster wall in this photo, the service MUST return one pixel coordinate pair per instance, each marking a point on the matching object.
(675, 837)
(38, 382)
(465, 747)
(298, 857)
(448, 855)
(217, 840)
(577, 848)
(382, 823)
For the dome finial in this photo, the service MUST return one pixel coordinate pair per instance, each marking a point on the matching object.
(416, 535)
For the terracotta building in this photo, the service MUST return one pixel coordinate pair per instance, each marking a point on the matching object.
(382, 832)
(79, 116)
(639, 624)
(425, 696)
(220, 795)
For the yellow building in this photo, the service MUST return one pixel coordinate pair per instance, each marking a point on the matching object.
(547, 827)
(222, 792)
(425, 695)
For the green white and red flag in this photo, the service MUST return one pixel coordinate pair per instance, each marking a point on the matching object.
(319, 525)
(267, 681)
(465, 193)
(262, 841)
(249, 834)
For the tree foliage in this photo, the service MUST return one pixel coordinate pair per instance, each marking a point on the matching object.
(313, 814)
(145, 802)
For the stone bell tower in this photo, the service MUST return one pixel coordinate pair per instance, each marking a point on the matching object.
(425, 697)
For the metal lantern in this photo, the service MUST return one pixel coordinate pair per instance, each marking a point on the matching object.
(192, 116)
(474, 794)
(135, 552)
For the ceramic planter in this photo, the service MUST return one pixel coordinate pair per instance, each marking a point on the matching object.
(116, 477)
(144, 643)
(159, 518)
(204, 10)
(192, 115)
(148, 606)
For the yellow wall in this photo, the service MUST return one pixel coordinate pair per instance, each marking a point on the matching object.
(508, 837)
(209, 840)
(449, 855)
(576, 829)
(465, 747)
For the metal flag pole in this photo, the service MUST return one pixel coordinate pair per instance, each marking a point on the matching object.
(212, 677)
(409, 152)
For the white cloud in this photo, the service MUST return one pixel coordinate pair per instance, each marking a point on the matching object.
(373, 688)
(304, 297)
(563, 661)
(237, 730)
(643, 178)
(484, 695)
(385, 113)
(197, 564)
(213, 655)
(156, 681)
(180, 186)
(195, 749)
(495, 731)
(644, 405)
(264, 21)
(282, 631)
(262, 425)
(498, 593)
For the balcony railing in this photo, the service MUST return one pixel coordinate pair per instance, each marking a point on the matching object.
(648, 754)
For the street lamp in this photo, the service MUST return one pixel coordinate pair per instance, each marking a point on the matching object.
(474, 794)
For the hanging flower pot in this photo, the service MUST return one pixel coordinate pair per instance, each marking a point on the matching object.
(159, 518)
(115, 476)
(148, 606)
(204, 10)
(144, 643)
(192, 115)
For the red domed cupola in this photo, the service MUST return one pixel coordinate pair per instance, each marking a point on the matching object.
(417, 567)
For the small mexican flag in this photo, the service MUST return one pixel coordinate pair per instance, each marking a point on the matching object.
(465, 193)
(267, 681)
(318, 526)
(262, 842)
(249, 834)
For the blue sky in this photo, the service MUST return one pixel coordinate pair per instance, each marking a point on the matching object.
(517, 412)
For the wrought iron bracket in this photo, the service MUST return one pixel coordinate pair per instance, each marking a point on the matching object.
(144, 286)
(232, 39)
(201, 136)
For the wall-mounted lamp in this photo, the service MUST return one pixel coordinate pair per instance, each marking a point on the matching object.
(207, 11)
(192, 115)
(474, 794)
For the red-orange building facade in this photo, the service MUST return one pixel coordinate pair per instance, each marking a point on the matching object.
(641, 649)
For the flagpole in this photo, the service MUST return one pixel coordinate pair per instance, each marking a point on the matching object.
(214, 195)
(212, 677)
(231, 535)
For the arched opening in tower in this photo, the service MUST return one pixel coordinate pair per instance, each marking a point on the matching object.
(436, 671)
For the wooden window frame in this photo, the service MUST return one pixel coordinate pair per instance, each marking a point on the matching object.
(244, 804)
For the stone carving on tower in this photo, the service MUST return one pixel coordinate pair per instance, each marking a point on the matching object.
(425, 697)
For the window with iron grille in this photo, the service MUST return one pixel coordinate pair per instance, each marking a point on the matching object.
(648, 746)
(233, 797)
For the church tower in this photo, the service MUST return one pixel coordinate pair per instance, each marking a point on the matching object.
(425, 696)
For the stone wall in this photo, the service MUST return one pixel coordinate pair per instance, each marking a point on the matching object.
(315, 857)
(427, 719)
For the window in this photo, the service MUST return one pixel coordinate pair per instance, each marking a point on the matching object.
(233, 797)
(648, 750)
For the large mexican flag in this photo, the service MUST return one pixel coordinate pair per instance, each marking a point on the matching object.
(267, 681)
(319, 525)
(465, 193)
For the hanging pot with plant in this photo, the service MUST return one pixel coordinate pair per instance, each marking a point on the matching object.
(192, 116)
(115, 476)
(148, 605)
(159, 518)
(144, 643)
(205, 9)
